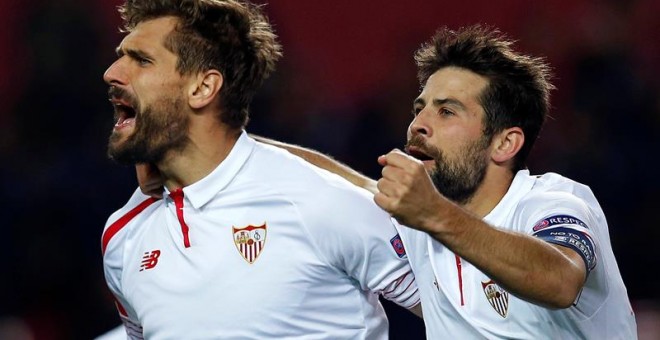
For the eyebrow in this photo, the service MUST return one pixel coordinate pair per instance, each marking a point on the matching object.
(133, 53)
(439, 102)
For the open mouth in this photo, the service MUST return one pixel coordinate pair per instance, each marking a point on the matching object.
(124, 112)
(418, 153)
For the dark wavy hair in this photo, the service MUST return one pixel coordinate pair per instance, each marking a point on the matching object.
(518, 91)
(231, 36)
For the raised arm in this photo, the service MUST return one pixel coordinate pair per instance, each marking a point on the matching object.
(543, 273)
(325, 162)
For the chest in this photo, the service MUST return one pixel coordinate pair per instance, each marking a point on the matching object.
(236, 259)
(460, 297)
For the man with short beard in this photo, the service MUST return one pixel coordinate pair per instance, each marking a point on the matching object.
(497, 253)
(245, 240)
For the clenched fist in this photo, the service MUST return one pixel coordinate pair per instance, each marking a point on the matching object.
(407, 192)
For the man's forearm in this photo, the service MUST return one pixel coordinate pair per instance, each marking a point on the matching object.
(527, 267)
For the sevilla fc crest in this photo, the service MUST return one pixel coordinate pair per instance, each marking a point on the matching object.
(250, 241)
(498, 297)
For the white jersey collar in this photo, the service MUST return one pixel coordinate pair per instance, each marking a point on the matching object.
(202, 191)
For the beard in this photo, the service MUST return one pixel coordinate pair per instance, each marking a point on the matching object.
(457, 179)
(159, 128)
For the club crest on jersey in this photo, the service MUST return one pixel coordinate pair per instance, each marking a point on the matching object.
(250, 241)
(497, 297)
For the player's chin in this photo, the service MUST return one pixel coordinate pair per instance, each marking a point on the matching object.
(118, 138)
(118, 146)
(122, 155)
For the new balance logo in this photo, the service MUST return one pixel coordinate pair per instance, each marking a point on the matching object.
(150, 260)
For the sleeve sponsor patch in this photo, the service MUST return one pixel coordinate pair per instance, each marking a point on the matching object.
(558, 219)
(397, 244)
(571, 238)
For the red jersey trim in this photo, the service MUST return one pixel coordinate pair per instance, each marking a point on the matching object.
(177, 196)
(120, 308)
(459, 268)
(114, 228)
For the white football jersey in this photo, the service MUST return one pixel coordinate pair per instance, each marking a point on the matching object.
(459, 300)
(265, 246)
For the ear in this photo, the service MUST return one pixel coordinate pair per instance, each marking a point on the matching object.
(204, 88)
(507, 143)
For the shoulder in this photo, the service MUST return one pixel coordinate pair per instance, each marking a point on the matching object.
(114, 234)
(553, 182)
(552, 190)
(278, 163)
(555, 196)
(294, 177)
(136, 201)
(324, 202)
(552, 200)
(120, 218)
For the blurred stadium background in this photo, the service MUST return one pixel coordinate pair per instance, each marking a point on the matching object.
(345, 87)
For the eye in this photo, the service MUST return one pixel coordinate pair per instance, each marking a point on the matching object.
(143, 61)
(415, 111)
(445, 111)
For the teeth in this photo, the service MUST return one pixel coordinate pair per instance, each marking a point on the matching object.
(124, 121)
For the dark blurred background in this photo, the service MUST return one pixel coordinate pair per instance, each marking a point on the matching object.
(345, 87)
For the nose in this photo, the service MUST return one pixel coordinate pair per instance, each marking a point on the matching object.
(420, 126)
(115, 74)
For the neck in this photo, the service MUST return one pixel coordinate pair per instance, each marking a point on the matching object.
(490, 193)
(206, 149)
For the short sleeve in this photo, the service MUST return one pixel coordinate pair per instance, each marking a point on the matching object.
(563, 219)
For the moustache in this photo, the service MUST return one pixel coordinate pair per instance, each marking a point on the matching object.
(118, 93)
(423, 150)
(416, 141)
